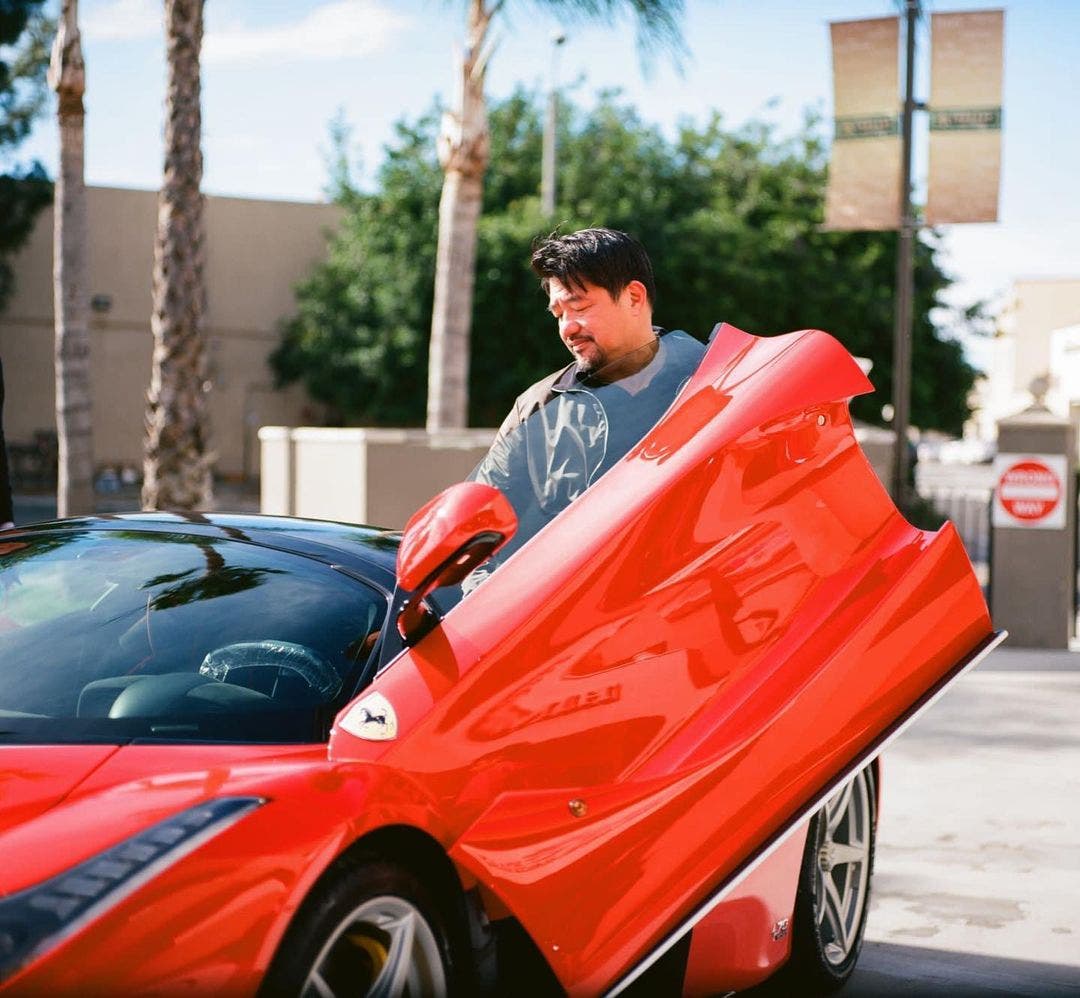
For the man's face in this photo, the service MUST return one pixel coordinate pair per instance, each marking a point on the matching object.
(596, 329)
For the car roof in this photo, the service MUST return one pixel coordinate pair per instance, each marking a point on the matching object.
(368, 550)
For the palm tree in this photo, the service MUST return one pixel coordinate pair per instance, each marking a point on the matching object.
(464, 150)
(178, 463)
(75, 472)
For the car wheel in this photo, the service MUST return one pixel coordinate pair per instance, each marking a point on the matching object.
(373, 931)
(834, 889)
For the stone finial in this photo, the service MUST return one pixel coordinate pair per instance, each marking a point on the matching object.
(1039, 388)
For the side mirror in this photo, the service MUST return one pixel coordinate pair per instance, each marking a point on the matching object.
(445, 540)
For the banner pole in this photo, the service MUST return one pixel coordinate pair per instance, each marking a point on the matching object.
(905, 277)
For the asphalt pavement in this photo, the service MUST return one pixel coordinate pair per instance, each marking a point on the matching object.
(976, 888)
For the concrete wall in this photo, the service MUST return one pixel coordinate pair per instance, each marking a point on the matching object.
(375, 476)
(256, 251)
(382, 476)
(1021, 351)
(1038, 308)
(1064, 393)
(877, 445)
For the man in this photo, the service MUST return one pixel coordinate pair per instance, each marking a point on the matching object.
(565, 431)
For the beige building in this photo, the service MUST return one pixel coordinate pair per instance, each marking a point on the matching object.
(1035, 341)
(256, 252)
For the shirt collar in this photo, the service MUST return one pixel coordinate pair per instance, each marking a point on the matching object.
(569, 377)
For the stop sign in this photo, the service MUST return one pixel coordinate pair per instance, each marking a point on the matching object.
(1030, 490)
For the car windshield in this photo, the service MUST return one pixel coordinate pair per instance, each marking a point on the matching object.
(579, 431)
(113, 635)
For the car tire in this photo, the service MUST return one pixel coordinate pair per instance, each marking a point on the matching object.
(833, 897)
(374, 929)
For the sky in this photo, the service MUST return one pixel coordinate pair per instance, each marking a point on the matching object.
(276, 72)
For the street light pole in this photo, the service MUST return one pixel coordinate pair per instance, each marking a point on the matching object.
(905, 277)
(547, 165)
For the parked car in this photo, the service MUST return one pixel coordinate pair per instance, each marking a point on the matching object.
(260, 755)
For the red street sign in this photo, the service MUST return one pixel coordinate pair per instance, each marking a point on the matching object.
(1029, 490)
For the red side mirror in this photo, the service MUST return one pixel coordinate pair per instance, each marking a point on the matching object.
(446, 539)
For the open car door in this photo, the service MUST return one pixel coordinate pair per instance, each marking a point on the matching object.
(678, 668)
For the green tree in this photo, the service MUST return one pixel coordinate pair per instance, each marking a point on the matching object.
(25, 33)
(731, 219)
(358, 340)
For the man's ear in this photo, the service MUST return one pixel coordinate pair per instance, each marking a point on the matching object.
(638, 296)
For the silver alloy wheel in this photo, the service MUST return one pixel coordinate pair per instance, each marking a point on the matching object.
(842, 870)
(384, 948)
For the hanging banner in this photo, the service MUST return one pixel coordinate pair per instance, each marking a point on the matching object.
(864, 168)
(966, 58)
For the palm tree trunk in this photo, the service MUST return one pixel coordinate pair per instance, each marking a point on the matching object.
(75, 472)
(464, 151)
(178, 462)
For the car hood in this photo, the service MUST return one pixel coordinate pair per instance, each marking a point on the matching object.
(60, 805)
(35, 778)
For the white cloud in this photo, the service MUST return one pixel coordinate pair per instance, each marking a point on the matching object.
(341, 29)
(122, 20)
(338, 30)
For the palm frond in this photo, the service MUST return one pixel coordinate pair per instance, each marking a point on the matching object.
(658, 22)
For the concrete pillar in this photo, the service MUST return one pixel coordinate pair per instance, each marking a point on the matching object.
(1033, 565)
(877, 445)
(277, 477)
(362, 475)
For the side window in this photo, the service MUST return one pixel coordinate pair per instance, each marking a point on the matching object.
(122, 625)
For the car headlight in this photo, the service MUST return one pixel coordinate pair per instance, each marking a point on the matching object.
(38, 918)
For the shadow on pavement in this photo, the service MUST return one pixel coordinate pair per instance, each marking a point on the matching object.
(886, 969)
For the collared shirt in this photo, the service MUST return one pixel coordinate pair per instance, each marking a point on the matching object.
(566, 431)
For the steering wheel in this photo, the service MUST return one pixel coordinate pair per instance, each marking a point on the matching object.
(229, 663)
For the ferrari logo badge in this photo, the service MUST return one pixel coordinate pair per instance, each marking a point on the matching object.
(372, 719)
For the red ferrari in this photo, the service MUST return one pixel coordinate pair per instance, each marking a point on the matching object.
(248, 755)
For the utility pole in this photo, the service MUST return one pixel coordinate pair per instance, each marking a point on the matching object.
(905, 274)
(547, 166)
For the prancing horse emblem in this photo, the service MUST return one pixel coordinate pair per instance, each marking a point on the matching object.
(372, 719)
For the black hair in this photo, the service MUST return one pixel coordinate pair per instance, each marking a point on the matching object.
(606, 258)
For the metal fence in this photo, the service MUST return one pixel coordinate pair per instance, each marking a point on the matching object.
(962, 493)
(969, 510)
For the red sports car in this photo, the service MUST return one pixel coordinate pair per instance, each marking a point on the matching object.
(246, 755)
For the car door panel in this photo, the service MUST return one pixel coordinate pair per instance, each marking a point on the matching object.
(660, 679)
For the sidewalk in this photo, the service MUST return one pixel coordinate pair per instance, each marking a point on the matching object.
(977, 874)
(1007, 659)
